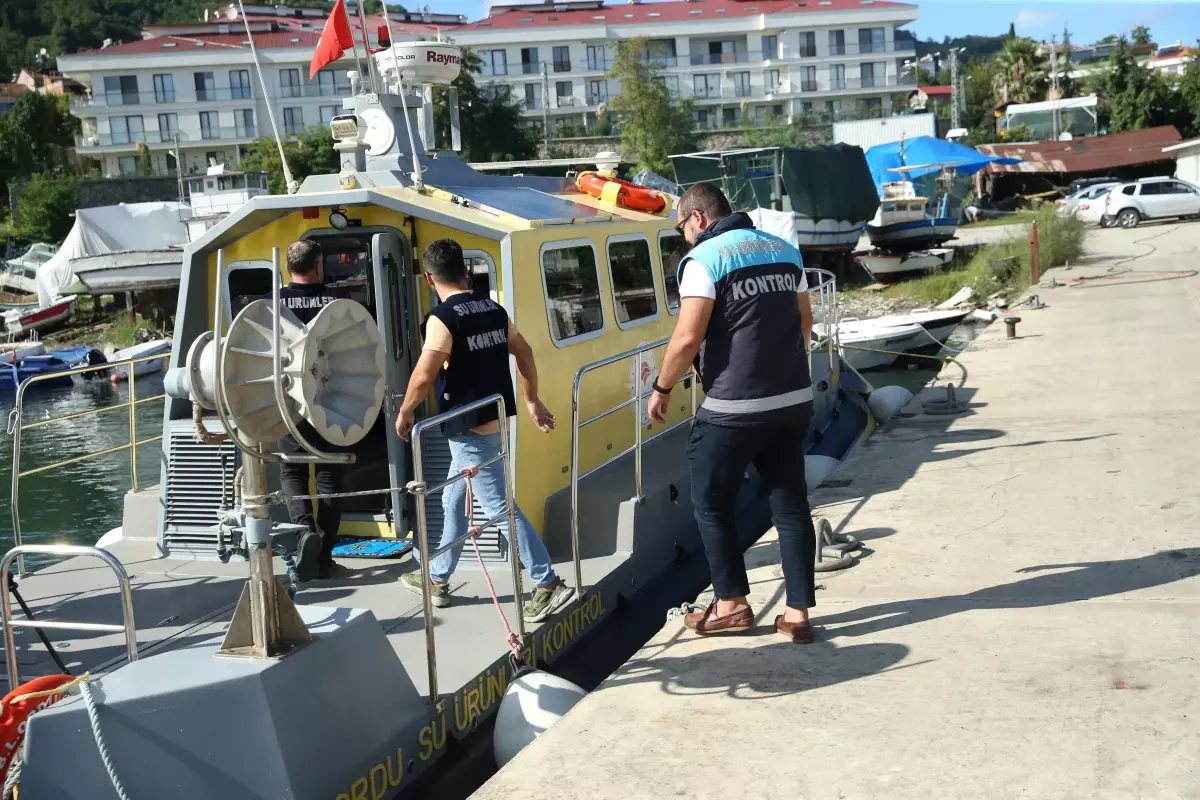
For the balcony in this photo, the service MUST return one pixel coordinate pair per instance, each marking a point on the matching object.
(701, 59)
(599, 64)
(530, 68)
(567, 102)
(122, 99)
(216, 95)
(313, 90)
(869, 48)
(662, 61)
(153, 139)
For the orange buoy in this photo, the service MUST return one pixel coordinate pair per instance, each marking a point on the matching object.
(621, 193)
(15, 712)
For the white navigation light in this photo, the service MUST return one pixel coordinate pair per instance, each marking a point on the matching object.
(344, 128)
(419, 63)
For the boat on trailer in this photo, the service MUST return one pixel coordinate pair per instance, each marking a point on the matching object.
(394, 700)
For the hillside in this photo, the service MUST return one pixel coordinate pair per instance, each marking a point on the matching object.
(977, 47)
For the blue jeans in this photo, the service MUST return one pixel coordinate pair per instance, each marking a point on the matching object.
(469, 450)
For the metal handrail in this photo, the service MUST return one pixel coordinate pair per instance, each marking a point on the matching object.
(66, 550)
(636, 449)
(417, 487)
(16, 428)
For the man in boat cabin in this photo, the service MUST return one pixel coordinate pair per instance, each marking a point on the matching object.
(305, 295)
(468, 340)
(745, 311)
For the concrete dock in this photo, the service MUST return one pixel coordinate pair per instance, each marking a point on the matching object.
(1027, 621)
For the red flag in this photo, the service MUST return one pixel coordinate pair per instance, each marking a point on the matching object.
(335, 38)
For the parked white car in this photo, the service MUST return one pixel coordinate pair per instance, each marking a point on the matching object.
(1092, 211)
(1151, 198)
(1071, 205)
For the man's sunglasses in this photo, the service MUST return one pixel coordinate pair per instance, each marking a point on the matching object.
(682, 224)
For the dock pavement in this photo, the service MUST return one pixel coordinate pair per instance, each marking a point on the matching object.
(1027, 620)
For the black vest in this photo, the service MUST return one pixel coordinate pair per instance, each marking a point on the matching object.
(478, 360)
(306, 300)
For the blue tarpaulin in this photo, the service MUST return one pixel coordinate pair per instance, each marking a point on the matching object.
(930, 155)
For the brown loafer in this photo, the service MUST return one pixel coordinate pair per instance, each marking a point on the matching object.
(707, 622)
(798, 632)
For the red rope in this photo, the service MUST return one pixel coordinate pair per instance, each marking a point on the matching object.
(510, 637)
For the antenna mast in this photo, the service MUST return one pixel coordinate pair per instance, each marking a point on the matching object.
(292, 185)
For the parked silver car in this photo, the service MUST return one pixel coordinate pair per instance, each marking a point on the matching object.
(1070, 205)
(1128, 204)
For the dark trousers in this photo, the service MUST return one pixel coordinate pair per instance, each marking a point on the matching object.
(719, 457)
(293, 479)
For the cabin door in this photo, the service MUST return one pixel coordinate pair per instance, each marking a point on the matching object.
(394, 304)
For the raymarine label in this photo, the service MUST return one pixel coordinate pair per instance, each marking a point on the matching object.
(434, 57)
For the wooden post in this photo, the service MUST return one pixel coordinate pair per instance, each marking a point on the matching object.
(1033, 254)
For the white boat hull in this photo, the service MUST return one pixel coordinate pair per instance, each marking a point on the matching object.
(133, 271)
(887, 267)
(159, 346)
(912, 235)
(866, 345)
(826, 234)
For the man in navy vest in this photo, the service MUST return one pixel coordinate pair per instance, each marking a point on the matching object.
(468, 340)
(305, 295)
(744, 299)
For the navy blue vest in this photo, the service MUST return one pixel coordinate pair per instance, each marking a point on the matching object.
(754, 361)
(306, 300)
(478, 360)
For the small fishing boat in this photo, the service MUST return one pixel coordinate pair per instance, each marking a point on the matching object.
(21, 272)
(938, 324)
(903, 222)
(143, 350)
(13, 374)
(867, 345)
(18, 321)
(888, 267)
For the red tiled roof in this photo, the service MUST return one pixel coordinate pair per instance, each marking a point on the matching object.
(938, 91)
(1088, 154)
(12, 89)
(544, 16)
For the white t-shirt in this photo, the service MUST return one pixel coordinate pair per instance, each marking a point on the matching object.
(697, 283)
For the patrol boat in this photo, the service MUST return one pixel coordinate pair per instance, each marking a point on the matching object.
(205, 684)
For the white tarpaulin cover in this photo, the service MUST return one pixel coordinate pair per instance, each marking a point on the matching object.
(111, 229)
(776, 223)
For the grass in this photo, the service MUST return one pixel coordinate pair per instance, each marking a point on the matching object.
(121, 334)
(1018, 218)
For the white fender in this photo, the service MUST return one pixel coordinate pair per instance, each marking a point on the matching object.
(887, 401)
(817, 469)
(532, 703)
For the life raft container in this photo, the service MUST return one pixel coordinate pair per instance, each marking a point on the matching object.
(621, 193)
(15, 713)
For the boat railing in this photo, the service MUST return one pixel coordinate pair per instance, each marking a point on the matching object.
(635, 400)
(421, 490)
(17, 426)
(825, 314)
(127, 626)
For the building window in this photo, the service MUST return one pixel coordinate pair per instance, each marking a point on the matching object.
(874, 107)
(493, 62)
(127, 166)
(705, 86)
(770, 47)
(164, 88)
(289, 83)
(572, 292)
(243, 122)
(837, 43)
(661, 52)
(205, 87)
(327, 114)
(730, 117)
(239, 84)
(808, 44)
(837, 76)
(597, 92)
(632, 273)
(672, 84)
(871, 40)
(597, 58)
(212, 158)
(772, 80)
(741, 84)
(671, 250)
(704, 118)
(562, 59)
(208, 125)
(529, 60)
(329, 83)
(121, 90)
(126, 130)
(868, 75)
(293, 121)
(533, 96)
(168, 126)
(805, 108)
(564, 93)
(808, 79)
(495, 91)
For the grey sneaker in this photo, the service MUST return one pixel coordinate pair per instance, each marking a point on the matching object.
(440, 594)
(547, 599)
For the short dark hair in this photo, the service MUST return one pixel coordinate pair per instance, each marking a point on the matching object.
(705, 198)
(444, 261)
(303, 257)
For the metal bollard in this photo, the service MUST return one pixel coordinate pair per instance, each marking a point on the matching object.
(1011, 324)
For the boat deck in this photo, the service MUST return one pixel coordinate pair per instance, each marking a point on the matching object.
(1025, 625)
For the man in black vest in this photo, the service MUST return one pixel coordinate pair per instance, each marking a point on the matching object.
(305, 296)
(468, 340)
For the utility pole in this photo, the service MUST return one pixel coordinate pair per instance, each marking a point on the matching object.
(955, 90)
(1054, 86)
(546, 109)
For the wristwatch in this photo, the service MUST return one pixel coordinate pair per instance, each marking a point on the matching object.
(659, 389)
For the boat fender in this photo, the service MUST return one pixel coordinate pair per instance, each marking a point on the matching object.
(982, 315)
(15, 711)
(533, 702)
(887, 401)
(817, 469)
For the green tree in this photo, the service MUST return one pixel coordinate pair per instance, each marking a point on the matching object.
(1189, 95)
(1140, 97)
(310, 153)
(1021, 66)
(490, 121)
(1066, 68)
(653, 126)
(1141, 35)
(44, 208)
(1012, 30)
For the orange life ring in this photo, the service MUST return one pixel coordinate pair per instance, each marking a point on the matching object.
(15, 715)
(626, 194)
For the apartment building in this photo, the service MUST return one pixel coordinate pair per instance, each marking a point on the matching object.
(189, 94)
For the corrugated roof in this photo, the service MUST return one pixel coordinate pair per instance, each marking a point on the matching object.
(937, 91)
(541, 16)
(1089, 154)
(12, 89)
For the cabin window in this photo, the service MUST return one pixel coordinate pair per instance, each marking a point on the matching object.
(482, 273)
(572, 285)
(632, 272)
(671, 249)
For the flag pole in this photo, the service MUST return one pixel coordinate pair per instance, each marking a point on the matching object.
(362, 27)
(354, 47)
(289, 181)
